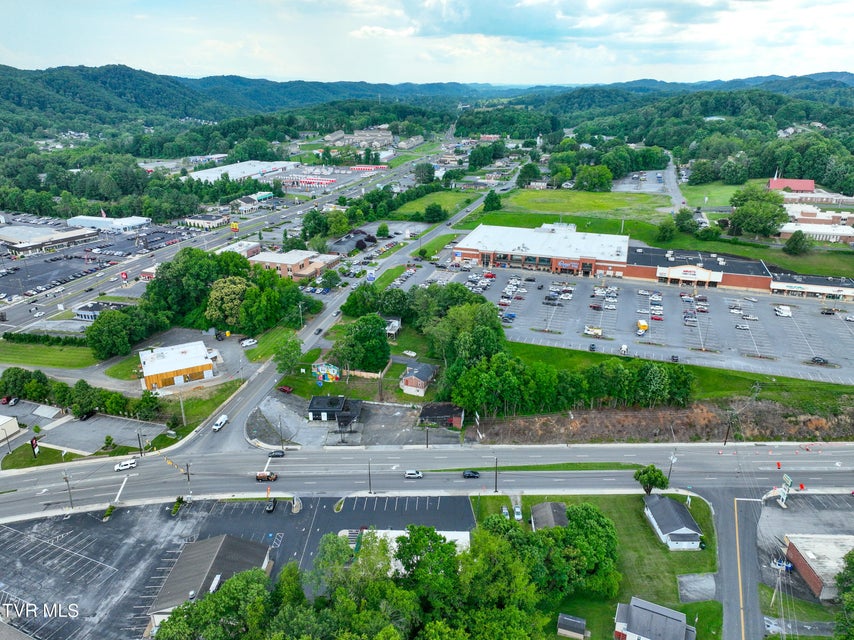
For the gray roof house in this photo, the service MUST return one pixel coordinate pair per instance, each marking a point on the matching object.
(416, 378)
(548, 514)
(202, 567)
(673, 523)
(572, 627)
(642, 620)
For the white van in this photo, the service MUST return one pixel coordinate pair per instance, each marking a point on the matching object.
(413, 474)
(220, 422)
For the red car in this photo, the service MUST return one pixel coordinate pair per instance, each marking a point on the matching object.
(489, 275)
(503, 303)
(286, 389)
(5, 399)
(656, 317)
(518, 297)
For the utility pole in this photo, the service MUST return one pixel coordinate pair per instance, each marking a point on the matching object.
(370, 487)
(139, 440)
(188, 470)
(427, 434)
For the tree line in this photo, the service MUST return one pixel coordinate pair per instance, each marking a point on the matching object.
(495, 589)
(479, 374)
(199, 289)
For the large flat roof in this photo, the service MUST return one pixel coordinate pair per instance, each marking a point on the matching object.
(179, 356)
(653, 257)
(548, 241)
(241, 170)
(825, 553)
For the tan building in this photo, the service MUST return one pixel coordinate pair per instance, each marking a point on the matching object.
(244, 247)
(175, 365)
(296, 264)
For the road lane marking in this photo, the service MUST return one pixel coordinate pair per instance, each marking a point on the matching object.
(121, 488)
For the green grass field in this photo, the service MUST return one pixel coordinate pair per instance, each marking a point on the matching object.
(451, 201)
(718, 193)
(435, 245)
(388, 276)
(795, 608)
(38, 355)
(125, 369)
(22, 457)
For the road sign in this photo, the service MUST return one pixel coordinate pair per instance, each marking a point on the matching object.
(787, 480)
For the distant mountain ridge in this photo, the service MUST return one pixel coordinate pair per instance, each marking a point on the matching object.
(84, 98)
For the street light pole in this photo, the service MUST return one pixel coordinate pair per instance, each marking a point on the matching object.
(673, 459)
(370, 486)
(68, 484)
(139, 440)
(496, 474)
(6, 438)
(188, 470)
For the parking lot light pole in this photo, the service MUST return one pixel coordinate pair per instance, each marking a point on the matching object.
(6, 438)
(139, 440)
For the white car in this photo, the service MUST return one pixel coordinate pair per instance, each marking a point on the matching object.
(737, 311)
(644, 312)
(610, 307)
(38, 314)
(125, 465)
(849, 318)
(750, 299)
(565, 296)
(643, 292)
(743, 327)
(248, 342)
(114, 278)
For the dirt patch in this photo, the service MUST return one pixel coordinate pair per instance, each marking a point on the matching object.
(698, 423)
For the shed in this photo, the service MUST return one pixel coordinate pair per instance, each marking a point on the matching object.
(202, 567)
(548, 514)
(572, 627)
(442, 413)
(673, 523)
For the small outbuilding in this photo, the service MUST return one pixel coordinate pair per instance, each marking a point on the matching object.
(328, 408)
(548, 514)
(442, 413)
(673, 523)
(572, 627)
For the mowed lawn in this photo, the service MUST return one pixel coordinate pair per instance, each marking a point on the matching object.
(39, 355)
(589, 203)
(451, 201)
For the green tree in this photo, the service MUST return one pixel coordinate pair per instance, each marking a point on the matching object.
(107, 336)
(527, 174)
(594, 536)
(666, 230)
(330, 563)
(424, 173)
(224, 302)
(685, 222)
(651, 477)
(733, 172)
(757, 217)
(702, 172)
(293, 242)
(339, 224)
(596, 178)
(369, 332)
(845, 584)
(318, 244)
(798, 244)
(330, 279)
(363, 300)
(430, 569)
(382, 230)
(434, 213)
(288, 353)
(492, 202)
(84, 398)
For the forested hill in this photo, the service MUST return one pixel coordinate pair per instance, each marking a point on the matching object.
(265, 95)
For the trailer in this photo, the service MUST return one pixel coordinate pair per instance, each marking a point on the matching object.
(589, 330)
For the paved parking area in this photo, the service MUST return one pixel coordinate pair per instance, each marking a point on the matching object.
(762, 343)
(112, 571)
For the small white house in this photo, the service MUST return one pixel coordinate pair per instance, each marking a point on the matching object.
(673, 523)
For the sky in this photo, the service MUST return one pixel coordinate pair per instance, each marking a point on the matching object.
(505, 42)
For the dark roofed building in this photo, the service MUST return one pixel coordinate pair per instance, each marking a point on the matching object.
(330, 407)
(572, 627)
(91, 310)
(202, 567)
(548, 514)
(346, 245)
(673, 523)
(642, 620)
(442, 413)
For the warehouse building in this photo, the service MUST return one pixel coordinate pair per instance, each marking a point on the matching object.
(24, 241)
(818, 559)
(176, 365)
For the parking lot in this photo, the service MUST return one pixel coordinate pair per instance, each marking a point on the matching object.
(113, 571)
(715, 327)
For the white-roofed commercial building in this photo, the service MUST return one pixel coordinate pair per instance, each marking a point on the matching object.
(555, 248)
(109, 224)
(175, 365)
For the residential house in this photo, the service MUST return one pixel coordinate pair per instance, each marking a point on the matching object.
(673, 523)
(548, 514)
(642, 620)
(415, 379)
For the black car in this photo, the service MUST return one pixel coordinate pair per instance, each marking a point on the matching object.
(278, 453)
(270, 506)
(471, 474)
(87, 415)
(828, 312)
(592, 347)
(819, 360)
(318, 331)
